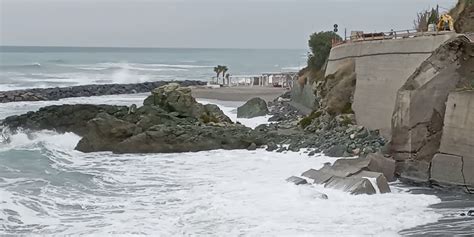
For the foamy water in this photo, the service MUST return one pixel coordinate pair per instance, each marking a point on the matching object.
(48, 188)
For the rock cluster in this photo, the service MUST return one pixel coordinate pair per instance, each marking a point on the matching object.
(334, 136)
(355, 175)
(40, 94)
(170, 121)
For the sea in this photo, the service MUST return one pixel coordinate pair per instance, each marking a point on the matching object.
(48, 188)
(27, 67)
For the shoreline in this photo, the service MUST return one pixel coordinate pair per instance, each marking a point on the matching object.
(238, 93)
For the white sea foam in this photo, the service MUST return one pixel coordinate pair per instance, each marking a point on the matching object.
(212, 193)
(137, 66)
(294, 68)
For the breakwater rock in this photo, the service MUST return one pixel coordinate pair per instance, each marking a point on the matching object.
(56, 93)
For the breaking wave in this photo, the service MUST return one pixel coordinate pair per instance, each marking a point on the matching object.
(47, 188)
(20, 66)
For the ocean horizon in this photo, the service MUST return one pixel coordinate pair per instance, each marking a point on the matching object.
(23, 67)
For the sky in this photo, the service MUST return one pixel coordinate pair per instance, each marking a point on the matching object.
(197, 23)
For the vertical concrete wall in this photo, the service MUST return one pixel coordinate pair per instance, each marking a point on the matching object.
(455, 162)
(382, 67)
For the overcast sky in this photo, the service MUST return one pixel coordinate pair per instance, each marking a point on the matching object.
(197, 23)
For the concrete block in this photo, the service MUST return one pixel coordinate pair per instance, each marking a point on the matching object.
(347, 167)
(468, 170)
(352, 185)
(458, 131)
(381, 164)
(318, 176)
(416, 171)
(379, 179)
(446, 169)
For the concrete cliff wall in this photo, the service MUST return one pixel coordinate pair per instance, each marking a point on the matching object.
(454, 164)
(382, 67)
(422, 116)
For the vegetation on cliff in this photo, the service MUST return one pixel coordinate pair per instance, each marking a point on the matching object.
(320, 45)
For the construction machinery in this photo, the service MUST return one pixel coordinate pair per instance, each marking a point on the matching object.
(445, 23)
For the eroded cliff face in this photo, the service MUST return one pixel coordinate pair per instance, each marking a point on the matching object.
(420, 110)
(463, 15)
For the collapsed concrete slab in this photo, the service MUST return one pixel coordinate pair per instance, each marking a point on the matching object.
(447, 169)
(351, 185)
(364, 175)
(381, 68)
(454, 165)
(378, 180)
(426, 124)
(381, 164)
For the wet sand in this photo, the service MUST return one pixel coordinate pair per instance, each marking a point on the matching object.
(240, 93)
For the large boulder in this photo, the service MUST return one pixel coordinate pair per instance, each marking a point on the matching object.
(175, 99)
(253, 108)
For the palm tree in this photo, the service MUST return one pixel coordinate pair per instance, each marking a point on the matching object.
(224, 70)
(227, 76)
(217, 70)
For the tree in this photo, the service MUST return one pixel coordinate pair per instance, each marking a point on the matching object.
(217, 71)
(224, 70)
(320, 45)
(424, 18)
(227, 76)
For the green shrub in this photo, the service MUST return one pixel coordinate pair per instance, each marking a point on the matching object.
(347, 109)
(306, 121)
(320, 45)
(207, 119)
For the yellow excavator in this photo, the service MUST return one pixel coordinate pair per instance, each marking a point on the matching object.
(445, 23)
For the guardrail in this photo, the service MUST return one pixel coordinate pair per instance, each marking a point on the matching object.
(399, 34)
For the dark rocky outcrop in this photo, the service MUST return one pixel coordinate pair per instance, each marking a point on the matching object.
(63, 118)
(39, 94)
(170, 121)
(178, 100)
(253, 108)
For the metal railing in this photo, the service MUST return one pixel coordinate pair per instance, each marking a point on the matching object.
(399, 34)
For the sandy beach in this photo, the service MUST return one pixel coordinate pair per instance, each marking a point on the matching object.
(240, 93)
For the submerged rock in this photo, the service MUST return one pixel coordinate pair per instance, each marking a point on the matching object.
(296, 180)
(253, 108)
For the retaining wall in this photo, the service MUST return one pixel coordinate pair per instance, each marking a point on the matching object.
(382, 67)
